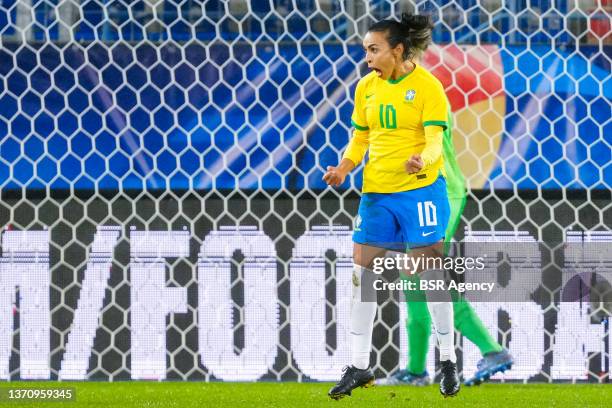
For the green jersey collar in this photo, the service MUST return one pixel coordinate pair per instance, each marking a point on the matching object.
(398, 80)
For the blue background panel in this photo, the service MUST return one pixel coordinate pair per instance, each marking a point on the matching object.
(149, 117)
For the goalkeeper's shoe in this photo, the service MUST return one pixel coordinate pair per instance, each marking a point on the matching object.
(352, 378)
(449, 382)
(491, 364)
(405, 377)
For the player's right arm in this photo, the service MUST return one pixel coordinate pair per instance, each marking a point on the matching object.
(358, 145)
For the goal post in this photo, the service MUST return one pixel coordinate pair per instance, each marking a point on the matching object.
(162, 209)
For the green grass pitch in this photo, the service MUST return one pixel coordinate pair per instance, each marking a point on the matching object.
(312, 395)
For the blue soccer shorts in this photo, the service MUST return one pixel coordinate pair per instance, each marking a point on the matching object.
(408, 219)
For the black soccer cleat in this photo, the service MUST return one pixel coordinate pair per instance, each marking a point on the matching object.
(449, 383)
(352, 378)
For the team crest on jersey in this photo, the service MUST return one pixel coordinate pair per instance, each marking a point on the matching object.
(410, 94)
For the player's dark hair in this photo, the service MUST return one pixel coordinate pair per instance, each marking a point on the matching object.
(414, 31)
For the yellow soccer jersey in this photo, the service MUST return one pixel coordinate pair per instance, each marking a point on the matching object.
(389, 119)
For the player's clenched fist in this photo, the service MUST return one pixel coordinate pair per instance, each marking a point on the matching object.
(334, 176)
(414, 165)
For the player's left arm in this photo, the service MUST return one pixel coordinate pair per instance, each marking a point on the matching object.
(434, 117)
(434, 137)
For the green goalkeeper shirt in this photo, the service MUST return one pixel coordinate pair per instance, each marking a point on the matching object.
(455, 181)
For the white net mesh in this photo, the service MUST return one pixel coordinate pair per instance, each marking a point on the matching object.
(162, 203)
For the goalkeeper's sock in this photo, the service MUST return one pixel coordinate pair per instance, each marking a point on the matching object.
(418, 330)
(363, 311)
(441, 309)
(469, 324)
(418, 327)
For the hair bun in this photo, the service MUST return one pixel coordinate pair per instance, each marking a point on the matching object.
(416, 22)
(412, 31)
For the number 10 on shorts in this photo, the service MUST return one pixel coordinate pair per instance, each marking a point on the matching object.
(427, 214)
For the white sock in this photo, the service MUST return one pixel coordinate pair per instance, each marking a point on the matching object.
(442, 317)
(441, 309)
(363, 312)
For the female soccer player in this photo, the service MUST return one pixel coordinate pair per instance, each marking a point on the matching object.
(399, 118)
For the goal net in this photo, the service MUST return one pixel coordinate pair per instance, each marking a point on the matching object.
(162, 209)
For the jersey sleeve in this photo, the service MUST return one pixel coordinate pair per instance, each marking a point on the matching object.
(359, 143)
(358, 118)
(357, 147)
(435, 107)
(433, 144)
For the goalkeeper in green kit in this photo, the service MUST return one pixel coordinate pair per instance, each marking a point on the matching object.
(418, 324)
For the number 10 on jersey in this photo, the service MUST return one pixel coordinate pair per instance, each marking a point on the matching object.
(387, 116)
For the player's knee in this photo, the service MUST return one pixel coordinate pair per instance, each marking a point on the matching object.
(363, 284)
(367, 256)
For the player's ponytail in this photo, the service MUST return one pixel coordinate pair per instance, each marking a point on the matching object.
(413, 31)
(418, 30)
